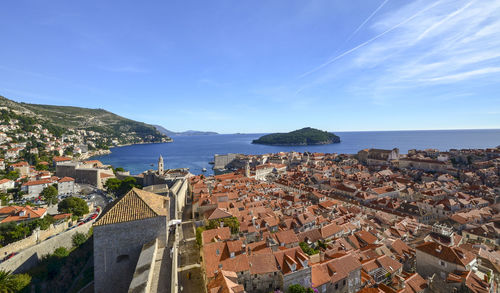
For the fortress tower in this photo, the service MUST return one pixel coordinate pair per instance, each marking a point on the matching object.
(160, 165)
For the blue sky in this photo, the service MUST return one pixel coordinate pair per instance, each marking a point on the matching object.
(260, 66)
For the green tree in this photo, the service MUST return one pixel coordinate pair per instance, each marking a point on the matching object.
(13, 282)
(308, 250)
(121, 187)
(79, 239)
(61, 252)
(49, 194)
(41, 167)
(199, 230)
(112, 184)
(12, 175)
(297, 288)
(231, 222)
(74, 205)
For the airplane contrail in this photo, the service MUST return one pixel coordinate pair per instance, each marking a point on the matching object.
(448, 17)
(369, 41)
(366, 20)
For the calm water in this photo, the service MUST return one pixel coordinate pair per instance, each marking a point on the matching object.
(194, 152)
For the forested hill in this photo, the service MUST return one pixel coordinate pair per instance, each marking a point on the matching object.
(101, 121)
(304, 136)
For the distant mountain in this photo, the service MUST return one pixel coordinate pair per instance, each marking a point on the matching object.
(183, 133)
(304, 136)
(110, 125)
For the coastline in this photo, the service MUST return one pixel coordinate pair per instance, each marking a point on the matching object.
(94, 154)
(97, 153)
(138, 143)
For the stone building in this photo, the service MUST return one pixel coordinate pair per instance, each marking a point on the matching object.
(378, 157)
(294, 267)
(120, 233)
(264, 273)
(83, 173)
(341, 274)
(427, 165)
(434, 258)
(66, 185)
(34, 188)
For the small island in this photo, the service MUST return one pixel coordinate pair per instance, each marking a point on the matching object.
(304, 136)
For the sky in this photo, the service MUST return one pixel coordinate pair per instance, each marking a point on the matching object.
(260, 66)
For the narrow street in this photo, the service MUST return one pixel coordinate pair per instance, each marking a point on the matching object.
(190, 274)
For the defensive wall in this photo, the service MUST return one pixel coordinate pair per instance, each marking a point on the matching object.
(35, 238)
(30, 257)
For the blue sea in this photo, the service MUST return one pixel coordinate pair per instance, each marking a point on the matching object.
(195, 152)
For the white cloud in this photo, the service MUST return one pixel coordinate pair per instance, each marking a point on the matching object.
(424, 43)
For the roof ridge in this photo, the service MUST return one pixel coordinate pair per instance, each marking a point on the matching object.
(107, 215)
(134, 189)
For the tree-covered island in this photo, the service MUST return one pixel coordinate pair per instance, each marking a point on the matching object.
(304, 136)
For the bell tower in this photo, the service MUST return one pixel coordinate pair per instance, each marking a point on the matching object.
(247, 169)
(160, 165)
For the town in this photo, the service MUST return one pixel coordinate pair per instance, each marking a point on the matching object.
(375, 221)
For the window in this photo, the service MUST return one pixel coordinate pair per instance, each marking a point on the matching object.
(122, 258)
(442, 263)
(336, 286)
(343, 283)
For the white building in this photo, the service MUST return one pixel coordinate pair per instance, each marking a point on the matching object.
(66, 185)
(6, 184)
(34, 188)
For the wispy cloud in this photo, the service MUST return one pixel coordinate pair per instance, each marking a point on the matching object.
(424, 43)
(331, 60)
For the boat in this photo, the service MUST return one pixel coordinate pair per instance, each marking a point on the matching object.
(211, 163)
(204, 170)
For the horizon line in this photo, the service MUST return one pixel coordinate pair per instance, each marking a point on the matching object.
(385, 130)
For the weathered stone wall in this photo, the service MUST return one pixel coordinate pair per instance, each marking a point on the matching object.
(88, 176)
(29, 257)
(427, 265)
(263, 283)
(117, 248)
(33, 239)
(143, 273)
(302, 277)
(161, 189)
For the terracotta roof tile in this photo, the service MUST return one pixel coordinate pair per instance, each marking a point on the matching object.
(135, 205)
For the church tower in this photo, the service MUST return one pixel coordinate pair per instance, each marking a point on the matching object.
(160, 165)
(247, 169)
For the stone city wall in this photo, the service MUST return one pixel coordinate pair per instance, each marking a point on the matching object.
(33, 239)
(29, 257)
(143, 274)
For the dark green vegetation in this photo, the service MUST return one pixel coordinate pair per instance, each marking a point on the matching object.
(296, 288)
(27, 123)
(13, 282)
(108, 124)
(121, 187)
(308, 250)
(12, 232)
(304, 136)
(232, 223)
(65, 270)
(49, 194)
(73, 205)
